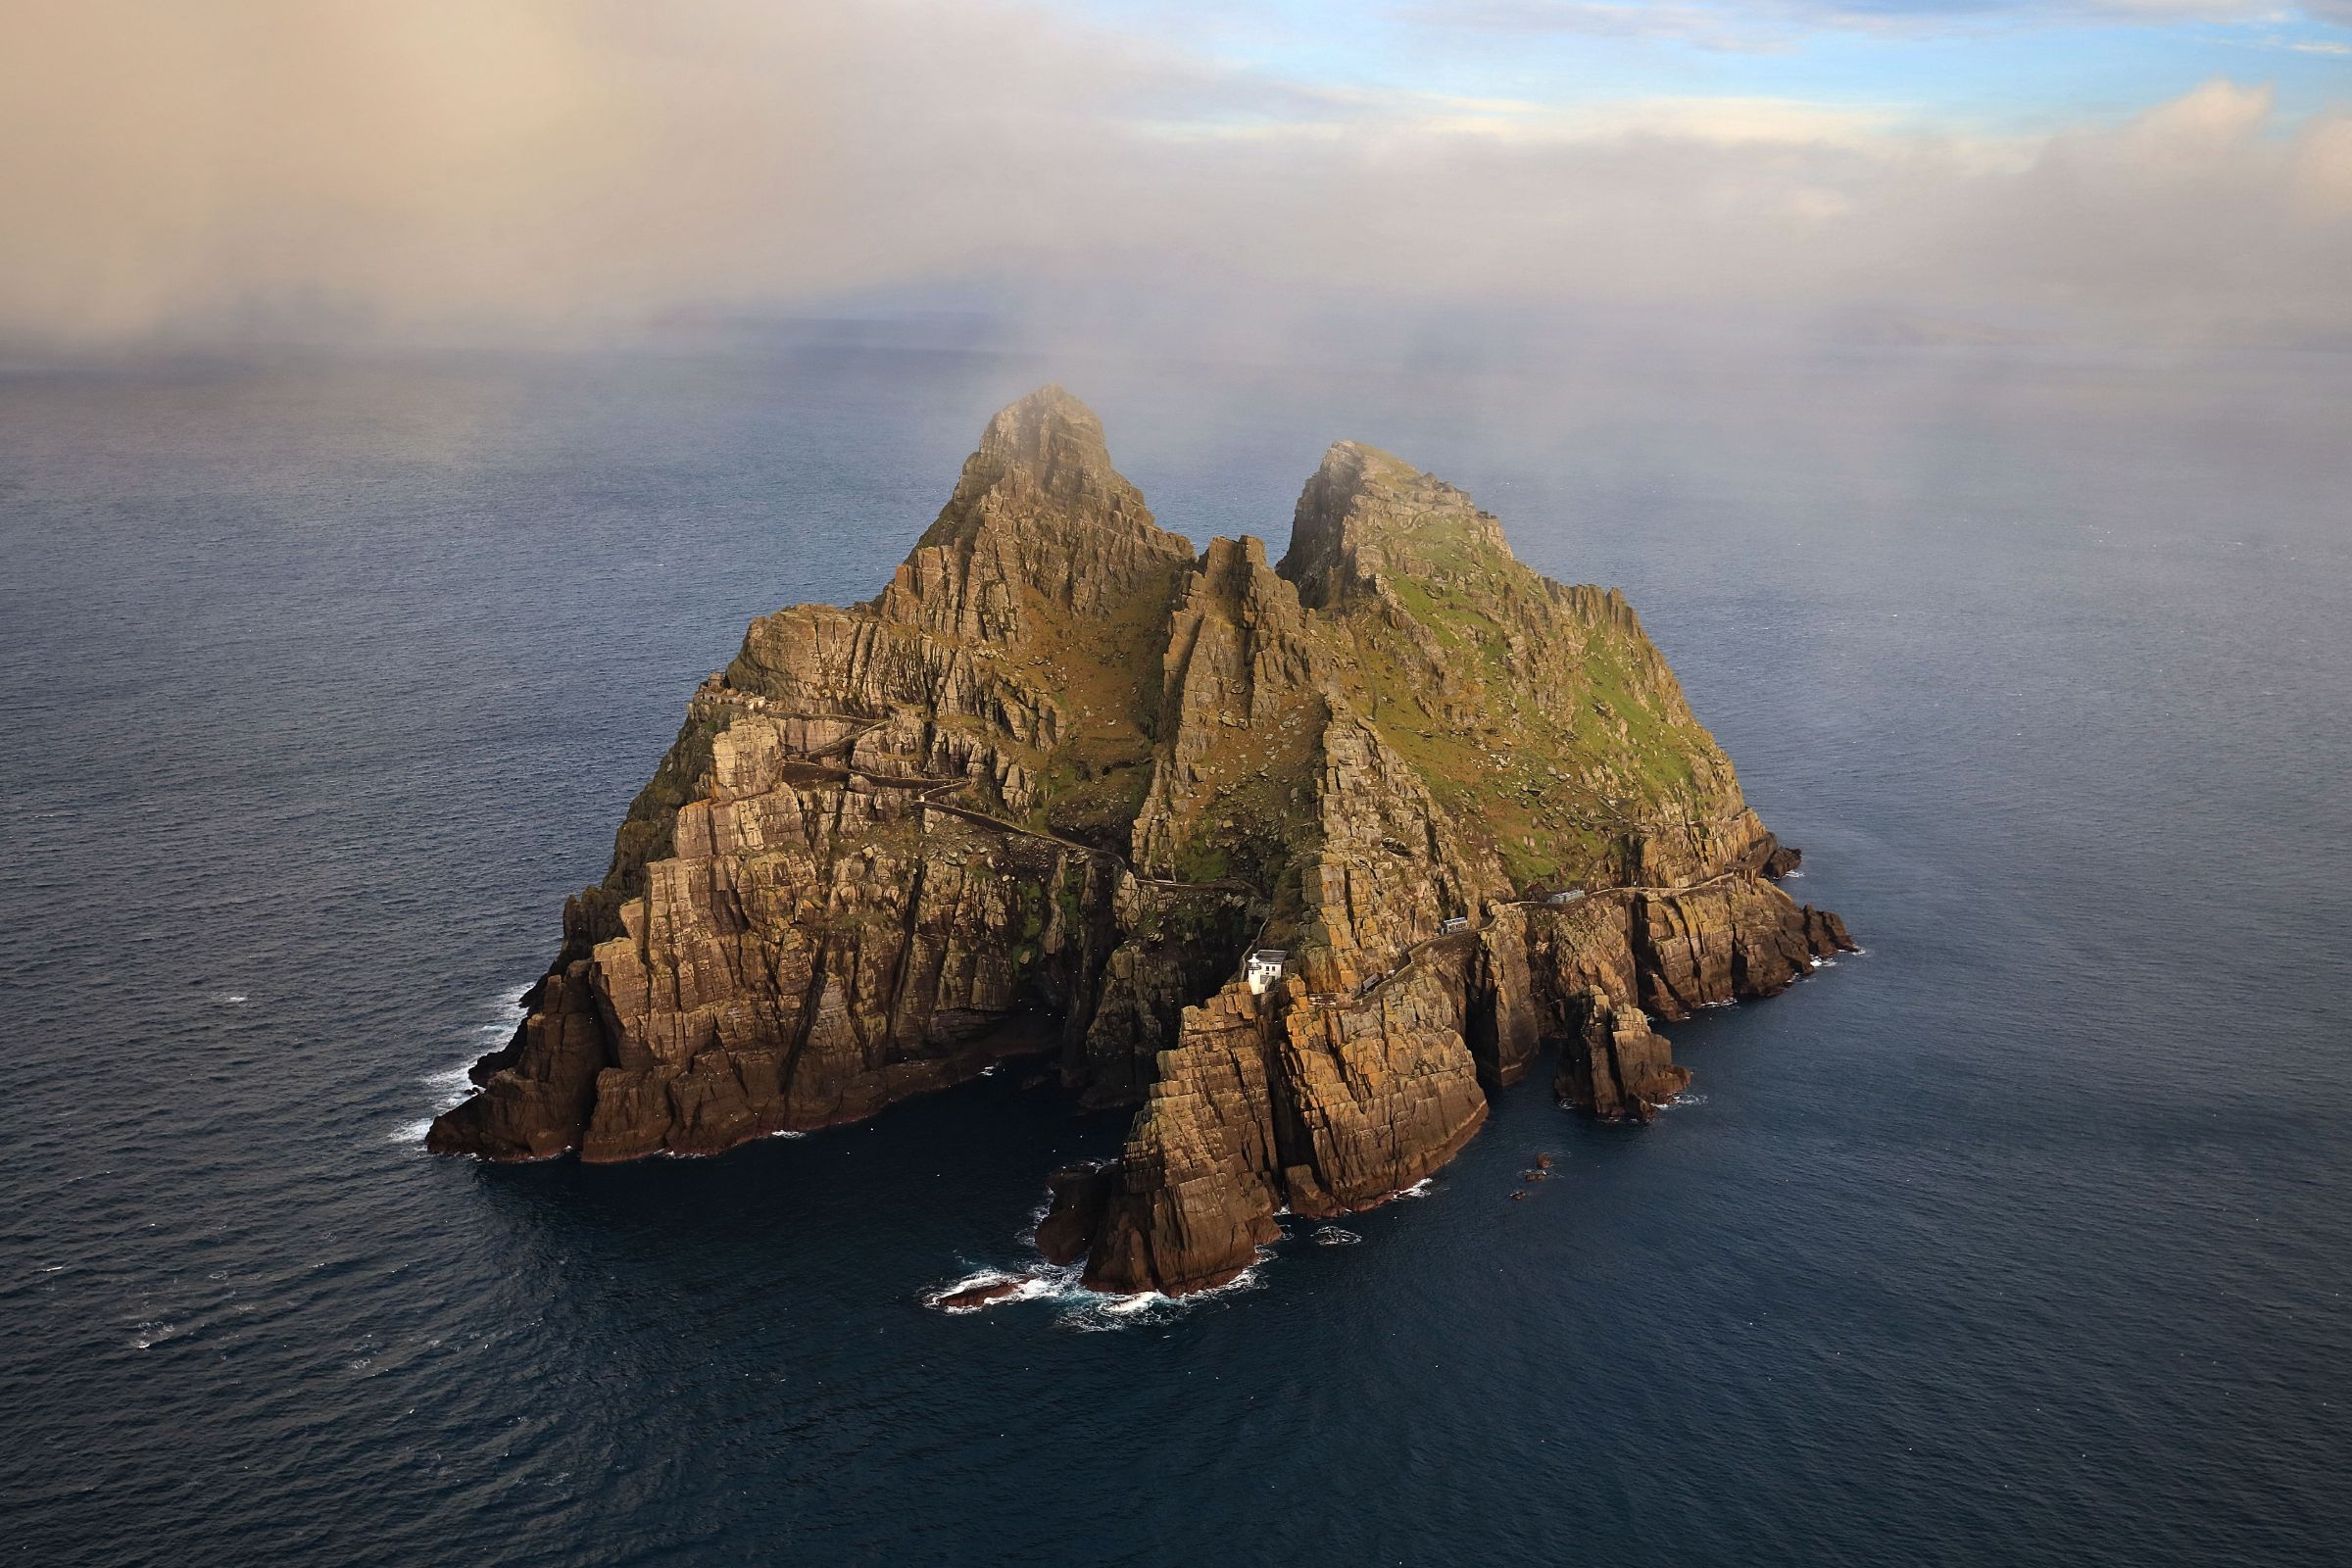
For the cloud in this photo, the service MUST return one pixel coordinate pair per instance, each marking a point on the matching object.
(349, 170)
(1335, 115)
(1763, 24)
(1712, 27)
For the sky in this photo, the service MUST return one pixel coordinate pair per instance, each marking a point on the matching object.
(564, 169)
(1985, 67)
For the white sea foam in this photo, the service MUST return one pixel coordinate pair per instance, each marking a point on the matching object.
(150, 1335)
(1129, 1306)
(454, 1079)
(1043, 1281)
(1093, 1313)
(453, 1084)
(1334, 1235)
(1083, 1311)
(1420, 1188)
(230, 999)
(1684, 1099)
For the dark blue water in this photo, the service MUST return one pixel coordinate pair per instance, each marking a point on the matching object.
(2024, 1238)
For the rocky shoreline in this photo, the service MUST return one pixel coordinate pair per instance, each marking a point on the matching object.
(1046, 792)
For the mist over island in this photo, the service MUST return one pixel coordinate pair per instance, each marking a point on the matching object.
(1097, 172)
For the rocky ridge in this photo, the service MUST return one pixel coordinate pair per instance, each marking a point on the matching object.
(1042, 793)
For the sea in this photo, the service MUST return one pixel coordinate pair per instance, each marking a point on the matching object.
(2022, 1236)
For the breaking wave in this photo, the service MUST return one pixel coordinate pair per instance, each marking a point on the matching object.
(447, 1086)
(1082, 1310)
(1030, 1285)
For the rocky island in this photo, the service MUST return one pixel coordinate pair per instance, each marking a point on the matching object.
(1299, 859)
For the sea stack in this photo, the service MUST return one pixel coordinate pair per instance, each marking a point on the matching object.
(1052, 788)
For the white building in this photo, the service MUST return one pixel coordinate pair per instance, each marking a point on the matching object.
(1264, 968)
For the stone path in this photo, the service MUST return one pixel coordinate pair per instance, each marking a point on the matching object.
(933, 788)
(1370, 988)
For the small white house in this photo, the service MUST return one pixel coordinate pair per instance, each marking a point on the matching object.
(1460, 922)
(1264, 968)
(1564, 898)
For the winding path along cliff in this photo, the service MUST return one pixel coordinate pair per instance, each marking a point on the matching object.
(1044, 792)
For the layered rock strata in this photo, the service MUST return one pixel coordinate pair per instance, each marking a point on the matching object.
(1042, 793)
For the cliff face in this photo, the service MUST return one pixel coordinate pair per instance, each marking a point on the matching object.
(1041, 794)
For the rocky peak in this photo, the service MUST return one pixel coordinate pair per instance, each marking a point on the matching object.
(1044, 454)
(1366, 512)
(1038, 518)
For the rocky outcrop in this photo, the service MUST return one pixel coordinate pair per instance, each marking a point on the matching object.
(1192, 1197)
(1615, 1065)
(1041, 793)
(1076, 1197)
(1507, 1015)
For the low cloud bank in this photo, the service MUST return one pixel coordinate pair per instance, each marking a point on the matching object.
(441, 169)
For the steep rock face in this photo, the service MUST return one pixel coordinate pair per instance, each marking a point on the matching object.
(1506, 1017)
(1043, 792)
(1190, 1198)
(1375, 1097)
(885, 847)
(1478, 737)
(1615, 1065)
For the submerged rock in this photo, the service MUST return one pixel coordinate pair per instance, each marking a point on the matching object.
(974, 1296)
(1040, 795)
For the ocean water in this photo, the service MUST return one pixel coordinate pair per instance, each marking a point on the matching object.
(2024, 1237)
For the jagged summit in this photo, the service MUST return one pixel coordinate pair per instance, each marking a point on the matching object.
(1366, 512)
(1042, 793)
(1045, 549)
(1041, 458)
(1046, 429)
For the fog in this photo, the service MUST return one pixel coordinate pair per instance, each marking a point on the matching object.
(447, 169)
